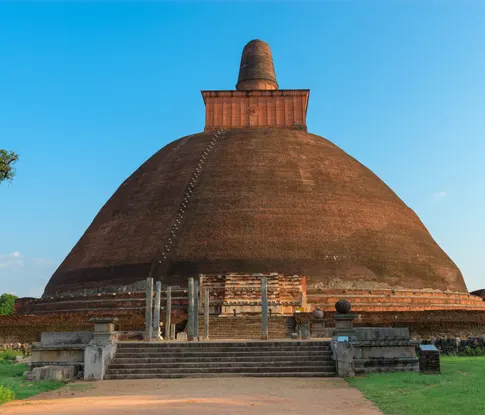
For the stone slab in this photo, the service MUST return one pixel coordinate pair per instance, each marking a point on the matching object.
(381, 333)
(62, 338)
(60, 373)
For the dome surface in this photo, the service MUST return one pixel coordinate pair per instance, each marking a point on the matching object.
(266, 200)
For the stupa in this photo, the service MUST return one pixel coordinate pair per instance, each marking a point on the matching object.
(256, 194)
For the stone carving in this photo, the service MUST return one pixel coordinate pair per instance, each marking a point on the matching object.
(317, 313)
(343, 307)
(182, 336)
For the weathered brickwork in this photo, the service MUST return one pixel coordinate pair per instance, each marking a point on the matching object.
(242, 292)
(395, 300)
(255, 109)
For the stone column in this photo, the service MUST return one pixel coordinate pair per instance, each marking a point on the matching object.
(190, 318)
(156, 311)
(172, 332)
(196, 308)
(168, 314)
(206, 313)
(148, 309)
(264, 308)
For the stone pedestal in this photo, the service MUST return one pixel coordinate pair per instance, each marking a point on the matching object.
(429, 359)
(343, 354)
(101, 349)
(344, 324)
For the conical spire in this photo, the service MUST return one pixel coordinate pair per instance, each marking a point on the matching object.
(256, 71)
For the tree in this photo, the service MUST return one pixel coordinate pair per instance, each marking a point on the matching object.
(7, 304)
(7, 161)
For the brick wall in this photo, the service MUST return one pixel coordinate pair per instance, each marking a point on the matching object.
(246, 109)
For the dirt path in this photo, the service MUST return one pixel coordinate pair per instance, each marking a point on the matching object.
(230, 396)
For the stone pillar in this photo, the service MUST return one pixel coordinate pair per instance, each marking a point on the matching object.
(264, 308)
(190, 318)
(344, 319)
(206, 313)
(196, 308)
(148, 309)
(156, 311)
(101, 349)
(172, 332)
(168, 314)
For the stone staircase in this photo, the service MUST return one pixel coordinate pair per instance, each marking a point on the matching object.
(245, 327)
(222, 359)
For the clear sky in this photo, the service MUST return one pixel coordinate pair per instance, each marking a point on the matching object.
(89, 91)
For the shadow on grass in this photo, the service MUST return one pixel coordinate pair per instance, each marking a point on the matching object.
(460, 388)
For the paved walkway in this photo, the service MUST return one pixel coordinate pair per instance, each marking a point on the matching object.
(221, 396)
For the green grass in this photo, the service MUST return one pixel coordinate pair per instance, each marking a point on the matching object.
(460, 389)
(11, 378)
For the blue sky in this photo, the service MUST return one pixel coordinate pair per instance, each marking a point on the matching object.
(90, 91)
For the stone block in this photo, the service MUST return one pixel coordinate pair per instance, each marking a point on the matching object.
(381, 333)
(68, 355)
(383, 352)
(58, 338)
(97, 359)
(104, 324)
(344, 357)
(60, 373)
(182, 336)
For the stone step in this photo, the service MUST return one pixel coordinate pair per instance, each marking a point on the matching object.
(222, 347)
(140, 360)
(219, 352)
(328, 365)
(220, 369)
(229, 344)
(219, 375)
(208, 357)
(211, 355)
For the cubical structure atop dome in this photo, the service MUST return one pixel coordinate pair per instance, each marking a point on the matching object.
(253, 194)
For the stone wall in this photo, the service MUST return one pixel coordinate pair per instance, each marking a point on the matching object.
(383, 300)
(107, 302)
(28, 328)
(421, 324)
(454, 346)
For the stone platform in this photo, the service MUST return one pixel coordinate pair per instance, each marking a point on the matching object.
(138, 360)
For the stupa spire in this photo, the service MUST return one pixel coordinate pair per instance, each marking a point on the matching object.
(256, 71)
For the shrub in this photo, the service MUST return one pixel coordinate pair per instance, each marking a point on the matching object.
(9, 354)
(7, 304)
(6, 394)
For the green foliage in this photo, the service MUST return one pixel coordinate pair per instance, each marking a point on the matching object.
(9, 354)
(11, 378)
(7, 162)
(7, 304)
(6, 394)
(460, 388)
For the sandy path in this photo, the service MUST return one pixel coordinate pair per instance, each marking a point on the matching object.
(230, 396)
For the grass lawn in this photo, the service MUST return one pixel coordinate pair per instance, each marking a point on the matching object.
(460, 389)
(11, 378)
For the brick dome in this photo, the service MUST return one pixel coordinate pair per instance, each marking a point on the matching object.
(264, 200)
